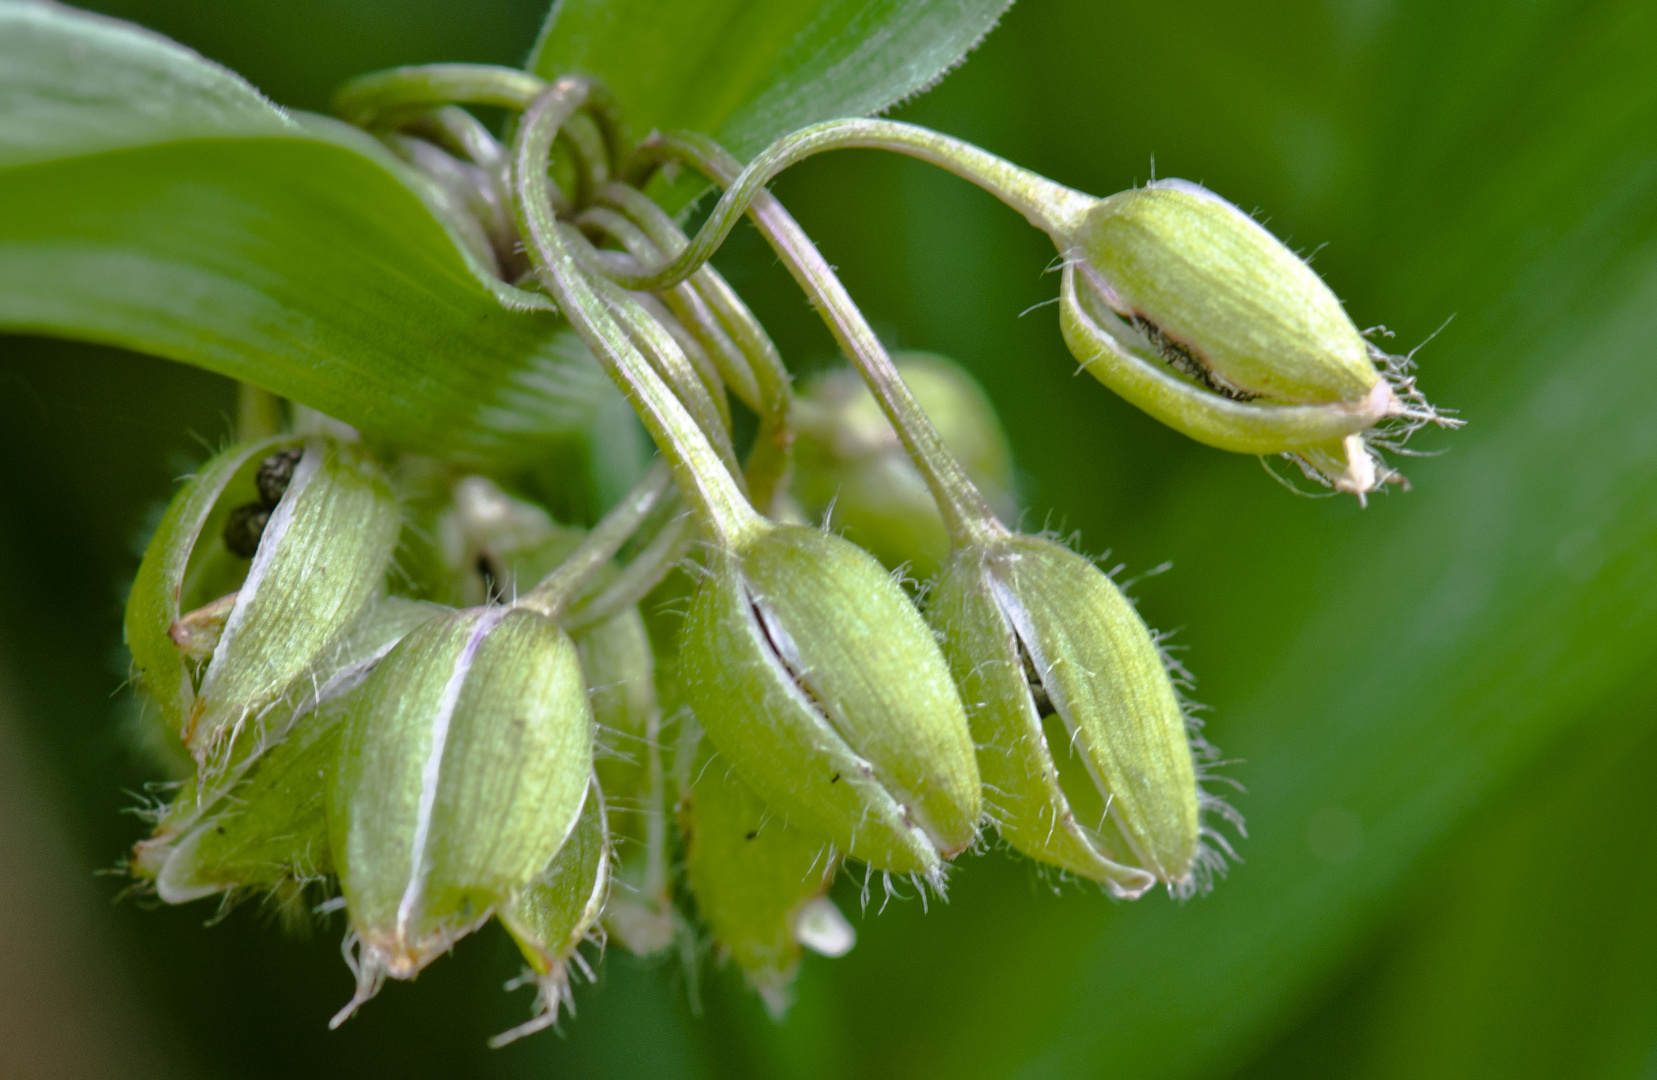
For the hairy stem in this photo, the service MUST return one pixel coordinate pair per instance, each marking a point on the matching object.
(966, 515)
(697, 468)
(556, 592)
(1052, 208)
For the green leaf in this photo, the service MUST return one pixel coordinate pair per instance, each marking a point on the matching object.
(748, 72)
(152, 200)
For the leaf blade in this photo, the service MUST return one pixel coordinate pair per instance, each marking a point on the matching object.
(204, 225)
(747, 73)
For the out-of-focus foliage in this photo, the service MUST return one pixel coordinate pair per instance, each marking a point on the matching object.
(1439, 701)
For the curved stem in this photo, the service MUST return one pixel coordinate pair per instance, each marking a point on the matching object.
(1052, 208)
(773, 384)
(555, 593)
(682, 299)
(376, 97)
(669, 361)
(745, 360)
(637, 578)
(462, 134)
(966, 515)
(697, 468)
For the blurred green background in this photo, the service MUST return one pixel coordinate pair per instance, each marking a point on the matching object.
(1444, 707)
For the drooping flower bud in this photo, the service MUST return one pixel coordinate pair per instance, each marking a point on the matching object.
(1222, 299)
(551, 916)
(814, 675)
(1192, 311)
(319, 559)
(850, 461)
(260, 823)
(463, 767)
(1082, 740)
(758, 881)
(160, 593)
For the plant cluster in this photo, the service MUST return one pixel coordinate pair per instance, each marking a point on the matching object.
(407, 690)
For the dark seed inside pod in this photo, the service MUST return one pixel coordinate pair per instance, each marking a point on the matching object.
(243, 530)
(275, 474)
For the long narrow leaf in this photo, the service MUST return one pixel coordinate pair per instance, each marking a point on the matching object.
(152, 200)
(747, 72)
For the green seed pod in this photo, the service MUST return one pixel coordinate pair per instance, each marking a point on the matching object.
(1194, 313)
(814, 675)
(848, 460)
(552, 915)
(463, 768)
(619, 667)
(260, 823)
(758, 881)
(321, 558)
(1221, 299)
(272, 829)
(1082, 739)
(169, 577)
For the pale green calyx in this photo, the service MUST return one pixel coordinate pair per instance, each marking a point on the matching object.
(1194, 312)
(463, 767)
(1221, 298)
(815, 676)
(1082, 739)
(319, 560)
(558, 910)
(260, 823)
(758, 881)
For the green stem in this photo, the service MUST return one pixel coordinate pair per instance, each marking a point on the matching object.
(669, 307)
(1052, 208)
(697, 469)
(556, 592)
(966, 515)
(668, 360)
(259, 413)
(682, 299)
(386, 96)
(749, 364)
(637, 578)
(774, 386)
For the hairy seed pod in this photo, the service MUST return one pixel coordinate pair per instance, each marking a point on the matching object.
(1082, 740)
(758, 881)
(163, 586)
(322, 557)
(259, 822)
(463, 768)
(849, 462)
(814, 675)
(559, 909)
(1222, 299)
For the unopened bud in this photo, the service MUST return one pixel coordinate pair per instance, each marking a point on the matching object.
(320, 560)
(259, 823)
(1221, 299)
(551, 916)
(462, 770)
(158, 592)
(758, 881)
(813, 674)
(1082, 739)
(1195, 313)
(849, 462)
